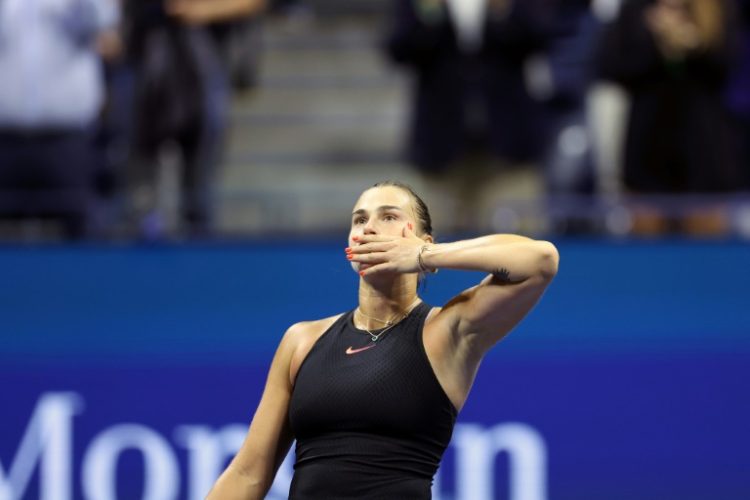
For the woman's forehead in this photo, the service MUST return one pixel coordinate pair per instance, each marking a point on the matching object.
(376, 197)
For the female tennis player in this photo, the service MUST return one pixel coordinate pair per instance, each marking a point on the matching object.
(371, 395)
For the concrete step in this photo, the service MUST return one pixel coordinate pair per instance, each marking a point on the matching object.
(343, 139)
(317, 63)
(306, 30)
(304, 174)
(268, 102)
(332, 104)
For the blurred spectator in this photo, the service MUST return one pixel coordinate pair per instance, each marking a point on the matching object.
(51, 92)
(739, 92)
(606, 110)
(673, 57)
(561, 78)
(240, 46)
(181, 98)
(469, 91)
(474, 129)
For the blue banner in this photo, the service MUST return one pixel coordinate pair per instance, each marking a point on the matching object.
(133, 372)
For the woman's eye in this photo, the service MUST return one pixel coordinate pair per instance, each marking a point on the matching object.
(390, 217)
(360, 220)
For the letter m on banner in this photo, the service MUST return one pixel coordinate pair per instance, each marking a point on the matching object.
(47, 442)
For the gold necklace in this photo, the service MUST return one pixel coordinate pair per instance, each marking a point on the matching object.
(390, 323)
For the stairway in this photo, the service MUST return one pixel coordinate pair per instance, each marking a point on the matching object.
(324, 122)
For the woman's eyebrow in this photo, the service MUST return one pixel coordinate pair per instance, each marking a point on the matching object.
(385, 208)
(382, 208)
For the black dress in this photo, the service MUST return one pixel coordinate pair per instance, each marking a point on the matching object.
(370, 418)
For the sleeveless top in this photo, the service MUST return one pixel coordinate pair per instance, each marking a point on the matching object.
(370, 418)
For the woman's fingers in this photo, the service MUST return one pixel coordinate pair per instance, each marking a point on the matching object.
(387, 252)
(368, 258)
(371, 247)
(373, 238)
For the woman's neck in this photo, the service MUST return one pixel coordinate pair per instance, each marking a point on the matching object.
(381, 302)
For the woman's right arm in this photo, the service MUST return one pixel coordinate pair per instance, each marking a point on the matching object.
(250, 474)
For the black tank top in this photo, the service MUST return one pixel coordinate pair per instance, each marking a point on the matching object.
(370, 418)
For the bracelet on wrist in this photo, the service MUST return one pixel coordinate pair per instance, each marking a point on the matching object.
(420, 262)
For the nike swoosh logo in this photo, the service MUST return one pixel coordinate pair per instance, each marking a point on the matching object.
(355, 351)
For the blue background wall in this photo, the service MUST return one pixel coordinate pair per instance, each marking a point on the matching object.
(634, 367)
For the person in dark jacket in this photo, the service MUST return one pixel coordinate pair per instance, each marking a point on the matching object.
(468, 89)
(739, 93)
(181, 98)
(673, 57)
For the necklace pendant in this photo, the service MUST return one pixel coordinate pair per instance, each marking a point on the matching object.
(374, 338)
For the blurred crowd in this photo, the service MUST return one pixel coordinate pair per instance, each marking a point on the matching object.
(97, 96)
(522, 82)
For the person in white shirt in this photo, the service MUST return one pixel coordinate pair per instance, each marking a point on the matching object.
(51, 93)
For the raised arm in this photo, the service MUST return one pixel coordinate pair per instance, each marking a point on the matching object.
(212, 11)
(250, 474)
(519, 269)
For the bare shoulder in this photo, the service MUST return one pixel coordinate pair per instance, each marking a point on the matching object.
(309, 331)
(300, 338)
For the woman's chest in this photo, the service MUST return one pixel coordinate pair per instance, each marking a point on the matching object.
(354, 384)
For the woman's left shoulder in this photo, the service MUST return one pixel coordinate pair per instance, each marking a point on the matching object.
(303, 336)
